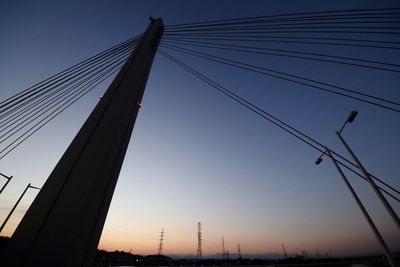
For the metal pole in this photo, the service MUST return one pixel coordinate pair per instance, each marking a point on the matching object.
(12, 210)
(8, 180)
(364, 212)
(371, 182)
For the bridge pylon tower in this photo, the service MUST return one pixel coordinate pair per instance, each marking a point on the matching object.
(64, 223)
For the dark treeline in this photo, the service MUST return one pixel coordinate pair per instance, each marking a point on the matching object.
(121, 258)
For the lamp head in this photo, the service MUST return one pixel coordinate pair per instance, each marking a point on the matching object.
(34, 187)
(318, 161)
(352, 116)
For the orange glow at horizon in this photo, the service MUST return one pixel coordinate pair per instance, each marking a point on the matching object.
(187, 245)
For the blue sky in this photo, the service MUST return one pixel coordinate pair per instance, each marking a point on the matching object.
(197, 156)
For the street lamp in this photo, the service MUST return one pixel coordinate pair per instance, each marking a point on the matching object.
(367, 176)
(349, 119)
(16, 204)
(8, 180)
(361, 206)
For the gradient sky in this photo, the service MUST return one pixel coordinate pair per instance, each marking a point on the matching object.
(196, 155)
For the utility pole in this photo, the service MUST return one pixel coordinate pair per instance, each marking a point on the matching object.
(64, 223)
(16, 204)
(199, 241)
(8, 180)
(160, 246)
(284, 251)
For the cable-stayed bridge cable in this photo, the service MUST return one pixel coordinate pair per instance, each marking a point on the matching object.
(75, 90)
(294, 54)
(303, 15)
(292, 40)
(4, 152)
(38, 101)
(272, 119)
(5, 104)
(322, 86)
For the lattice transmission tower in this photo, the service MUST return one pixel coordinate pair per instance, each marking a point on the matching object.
(223, 249)
(199, 241)
(160, 246)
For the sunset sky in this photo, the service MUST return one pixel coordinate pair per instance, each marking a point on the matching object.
(197, 156)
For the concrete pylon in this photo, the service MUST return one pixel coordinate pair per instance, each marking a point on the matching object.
(64, 223)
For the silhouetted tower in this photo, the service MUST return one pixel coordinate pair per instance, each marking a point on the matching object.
(223, 249)
(305, 253)
(64, 223)
(240, 253)
(284, 251)
(160, 247)
(227, 255)
(199, 241)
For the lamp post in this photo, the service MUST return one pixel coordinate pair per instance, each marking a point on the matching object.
(8, 180)
(382, 198)
(16, 204)
(378, 236)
